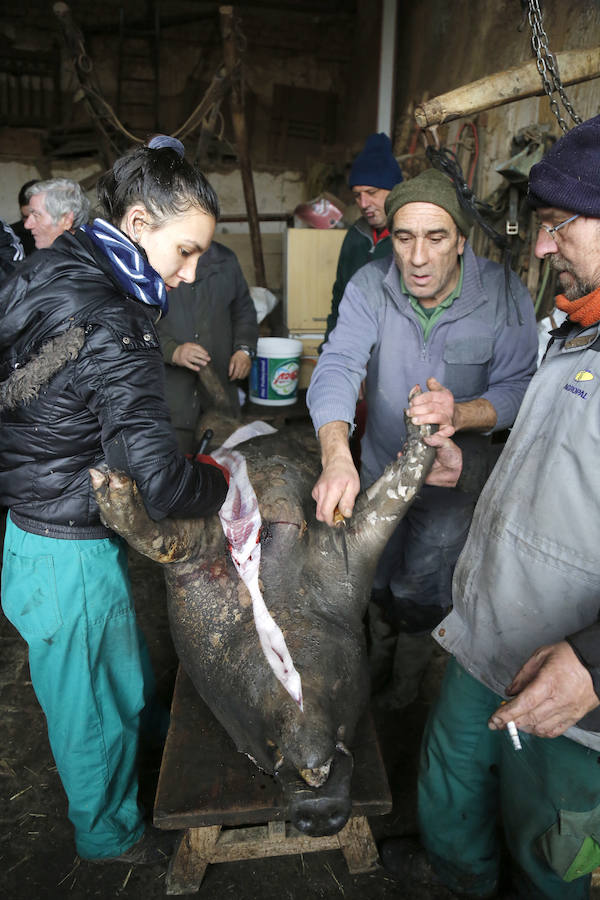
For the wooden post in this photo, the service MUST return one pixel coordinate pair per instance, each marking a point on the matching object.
(504, 87)
(81, 64)
(207, 130)
(233, 66)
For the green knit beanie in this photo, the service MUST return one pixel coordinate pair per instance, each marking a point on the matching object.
(431, 186)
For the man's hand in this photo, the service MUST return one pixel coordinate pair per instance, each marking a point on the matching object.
(190, 356)
(434, 407)
(339, 483)
(239, 365)
(448, 462)
(554, 690)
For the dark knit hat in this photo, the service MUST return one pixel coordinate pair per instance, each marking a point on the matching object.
(568, 177)
(375, 165)
(431, 186)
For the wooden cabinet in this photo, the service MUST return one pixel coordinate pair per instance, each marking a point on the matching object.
(310, 267)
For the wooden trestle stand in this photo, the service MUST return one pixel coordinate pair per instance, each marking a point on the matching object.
(230, 810)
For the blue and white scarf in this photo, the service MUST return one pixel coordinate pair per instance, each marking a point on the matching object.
(130, 264)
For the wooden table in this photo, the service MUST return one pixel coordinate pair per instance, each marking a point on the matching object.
(230, 810)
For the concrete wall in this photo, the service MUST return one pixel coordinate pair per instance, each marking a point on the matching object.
(444, 45)
(276, 193)
(315, 51)
(14, 173)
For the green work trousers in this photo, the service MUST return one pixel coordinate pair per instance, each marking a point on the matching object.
(546, 796)
(90, 669)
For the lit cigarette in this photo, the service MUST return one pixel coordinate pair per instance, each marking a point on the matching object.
(514, 735)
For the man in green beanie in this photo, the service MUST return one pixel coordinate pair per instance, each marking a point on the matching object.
(437, 316)
(509, 781)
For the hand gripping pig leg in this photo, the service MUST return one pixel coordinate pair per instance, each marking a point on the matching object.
(122, 509)
(241, 521)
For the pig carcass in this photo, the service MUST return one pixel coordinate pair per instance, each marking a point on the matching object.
(316, 583)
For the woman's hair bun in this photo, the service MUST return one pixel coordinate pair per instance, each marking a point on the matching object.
(159, 176)
(166, 142)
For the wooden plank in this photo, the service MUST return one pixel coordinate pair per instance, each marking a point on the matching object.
(203, 779)
(506, 87)
(190, 860)
(254, 843)
(357, 845)
(309, 358)
(276, 831)
(311, 264)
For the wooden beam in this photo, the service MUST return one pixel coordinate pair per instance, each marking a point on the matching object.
(513, 84)
(233, 66)
(83, 72)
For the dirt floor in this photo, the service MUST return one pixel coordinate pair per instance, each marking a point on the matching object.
(37, 855)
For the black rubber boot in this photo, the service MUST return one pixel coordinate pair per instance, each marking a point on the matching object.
(405, 860)
(154, 846)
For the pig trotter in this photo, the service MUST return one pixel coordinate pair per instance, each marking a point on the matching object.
(122, 509)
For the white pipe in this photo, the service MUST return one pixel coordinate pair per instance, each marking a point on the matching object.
(387, 66)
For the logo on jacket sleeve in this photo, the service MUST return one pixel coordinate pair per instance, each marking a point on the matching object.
(582, 375)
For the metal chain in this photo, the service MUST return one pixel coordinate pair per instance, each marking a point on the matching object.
(546, 63)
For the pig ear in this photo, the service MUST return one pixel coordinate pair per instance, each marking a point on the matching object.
(379, 509)
(122, 509)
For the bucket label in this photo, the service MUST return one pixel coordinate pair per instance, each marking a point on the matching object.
(274, 379)
(285, 379)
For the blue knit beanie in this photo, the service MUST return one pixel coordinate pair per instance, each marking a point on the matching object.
(568, 177)
(375, 165)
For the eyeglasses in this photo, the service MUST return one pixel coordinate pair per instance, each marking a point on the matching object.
(552, 229)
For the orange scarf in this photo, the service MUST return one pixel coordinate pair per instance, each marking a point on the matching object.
(586, 310)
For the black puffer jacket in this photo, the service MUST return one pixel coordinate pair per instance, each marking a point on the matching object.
(83, 385)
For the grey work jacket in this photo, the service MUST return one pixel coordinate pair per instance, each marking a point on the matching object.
(529, 573)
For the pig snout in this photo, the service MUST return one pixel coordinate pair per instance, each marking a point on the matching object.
(324, 810)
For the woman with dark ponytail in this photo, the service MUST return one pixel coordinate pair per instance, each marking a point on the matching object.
(81, 386)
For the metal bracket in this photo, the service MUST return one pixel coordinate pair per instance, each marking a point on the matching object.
(512, 222)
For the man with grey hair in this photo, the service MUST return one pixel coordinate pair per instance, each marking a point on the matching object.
(55, 206)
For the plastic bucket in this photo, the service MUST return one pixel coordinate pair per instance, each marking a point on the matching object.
(275, 370)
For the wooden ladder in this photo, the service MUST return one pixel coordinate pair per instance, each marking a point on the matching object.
(138, 81)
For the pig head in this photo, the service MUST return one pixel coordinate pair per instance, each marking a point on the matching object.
(315, 581)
